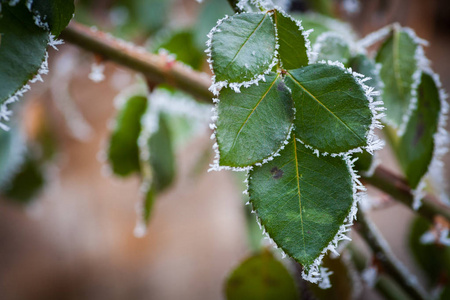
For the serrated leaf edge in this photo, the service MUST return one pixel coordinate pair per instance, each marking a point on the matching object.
(5, 113)
(314, 273)
(436, 172)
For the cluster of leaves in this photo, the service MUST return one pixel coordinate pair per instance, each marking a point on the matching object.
(276, 111)
(295, 119)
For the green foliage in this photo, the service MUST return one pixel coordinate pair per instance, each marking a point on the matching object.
(302, 200)
(398, 65)
(261, 277)
(292, 51)
(268, 106)
(332, 112)
(243, 47)
(332, 47)
(123, 152)
(415, 149)
(22, 49)
(56, 14)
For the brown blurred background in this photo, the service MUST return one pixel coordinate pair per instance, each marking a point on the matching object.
(76, 241)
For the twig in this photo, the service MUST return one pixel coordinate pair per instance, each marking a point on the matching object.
(158, 70)
(390, 263)
(397, 187)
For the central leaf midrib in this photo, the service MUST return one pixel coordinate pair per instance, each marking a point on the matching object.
(245, 42)
(299, 194)
(396, 62)
(251, 113)
(317, 100)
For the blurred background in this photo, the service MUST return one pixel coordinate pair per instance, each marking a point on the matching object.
(74, 239)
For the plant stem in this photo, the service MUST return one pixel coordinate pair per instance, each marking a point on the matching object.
(397, 187)
(158, 70)
(390, 263)
(384, 284)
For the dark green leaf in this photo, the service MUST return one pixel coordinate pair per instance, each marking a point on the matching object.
(302, 200)
(331, 46)
(123, 151)
(261, 277)
(253, 124)
(183, 46)
(397, 57)
(292, 51)
(56, 14)
(162, 158)
(26, 184)
(242, 47)
(22, 49)
(433, 259)
(364, 162)
(149, 200)
(341, 281)
(332, 111)
(366, 66)
(415, 149)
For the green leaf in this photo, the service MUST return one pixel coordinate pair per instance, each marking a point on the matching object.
(261, 277)
(397, 57)
(149, 201)
(253, 124)
(415, 149)
(123, 151)
(292, 51)
(364, 162)
(341, 281)
(433, 259)
(23, 48)
(162, 158)
(302, 200)
(56, 14)
(331, 46)
(242, 47)
(332, 111)
(26, 184)
(182, 45)
(364, 65)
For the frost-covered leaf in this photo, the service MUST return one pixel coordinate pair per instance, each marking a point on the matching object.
(162, 158)
(26, 183)
(415, 149)
(182, 45)
(253, 124)
(54, 15)
(332, 111)
(432, 258)
(243, 46)
(148, 202)
(342, 284)
(364, 162)
(22, 49)
(261, 277)
(292, 51)
(332, 46)
(123, 151)
(362, 64)
(320, 24)
(302, 200)
(398, 65)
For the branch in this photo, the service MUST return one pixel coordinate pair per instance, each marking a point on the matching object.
(391, 264)
(158, 70)
(397, 187)
(155, 67)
